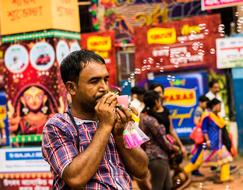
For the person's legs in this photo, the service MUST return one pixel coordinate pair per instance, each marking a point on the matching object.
(225, 172)
(159, 170)
(196, 161)
(168, 179)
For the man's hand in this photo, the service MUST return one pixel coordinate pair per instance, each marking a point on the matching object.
(208, 143)
(123, 116)
(105, 109)
(176, 148)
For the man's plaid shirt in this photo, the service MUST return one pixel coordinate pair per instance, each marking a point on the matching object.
(59, 148)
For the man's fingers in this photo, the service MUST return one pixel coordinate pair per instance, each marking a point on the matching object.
(126, 112)
(121, 115)
(134, 110)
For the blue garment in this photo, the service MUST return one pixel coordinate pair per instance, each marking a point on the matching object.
(196, 155)
(214, 133)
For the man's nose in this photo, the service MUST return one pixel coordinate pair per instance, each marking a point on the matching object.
(103, 86)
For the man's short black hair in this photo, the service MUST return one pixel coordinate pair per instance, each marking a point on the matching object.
(75, 62)
(138, 90)
(155, 85)
(212, 82)
(203, 98)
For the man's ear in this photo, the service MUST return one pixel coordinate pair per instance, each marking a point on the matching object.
(71, 87)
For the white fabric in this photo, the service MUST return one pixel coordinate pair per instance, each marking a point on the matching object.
(137, 105)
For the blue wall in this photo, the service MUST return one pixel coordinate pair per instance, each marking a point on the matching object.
(237, 74)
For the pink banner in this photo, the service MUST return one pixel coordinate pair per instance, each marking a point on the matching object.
(214, 4)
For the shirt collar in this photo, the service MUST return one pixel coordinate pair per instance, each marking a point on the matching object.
(82, 121)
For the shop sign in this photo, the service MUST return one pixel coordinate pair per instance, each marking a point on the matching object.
(40, 183)
(14, 160)
(215, 4)
(102, 43)
(179, 44)
(229, 52)
(181, 98)
(99, 43)
(18, 16)
(161, 36)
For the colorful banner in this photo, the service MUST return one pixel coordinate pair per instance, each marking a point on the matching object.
(20, 16)
(17, 160)
(181, 98)
(187, 43)
(215, 4)
(229, 52)
(4, 133)
(122, 16)
(103, 44)
(34, 86)
(1, 68)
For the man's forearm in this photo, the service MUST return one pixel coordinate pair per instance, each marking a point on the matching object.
(135, 160)
(84, 166)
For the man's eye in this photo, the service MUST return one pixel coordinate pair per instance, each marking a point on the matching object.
(106, 79)
(94, 81)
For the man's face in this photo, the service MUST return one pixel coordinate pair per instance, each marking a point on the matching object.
(160, 91)
(215, 88)
(92, 84)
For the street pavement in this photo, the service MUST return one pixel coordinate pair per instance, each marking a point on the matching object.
(207, 183)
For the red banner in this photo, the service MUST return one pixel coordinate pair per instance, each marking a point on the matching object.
(187, 43)
(102, 43)
(37, 183)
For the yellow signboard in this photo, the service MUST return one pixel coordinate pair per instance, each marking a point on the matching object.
(180, 97)
(161, 35)
(187, 30)
(99, 43)
(18, 16)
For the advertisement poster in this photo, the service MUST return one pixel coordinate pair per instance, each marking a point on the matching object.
(24, 168)
(25, 160)
(215, 4)
(102, 43)
(229, 52)
(122, 16)
(34, 86)
(62, 15)
(181, 98)
(188, 43)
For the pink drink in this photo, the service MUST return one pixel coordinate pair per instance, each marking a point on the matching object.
(123, 100)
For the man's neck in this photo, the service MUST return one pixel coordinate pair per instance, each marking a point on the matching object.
(83, 114)
(215, 94)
